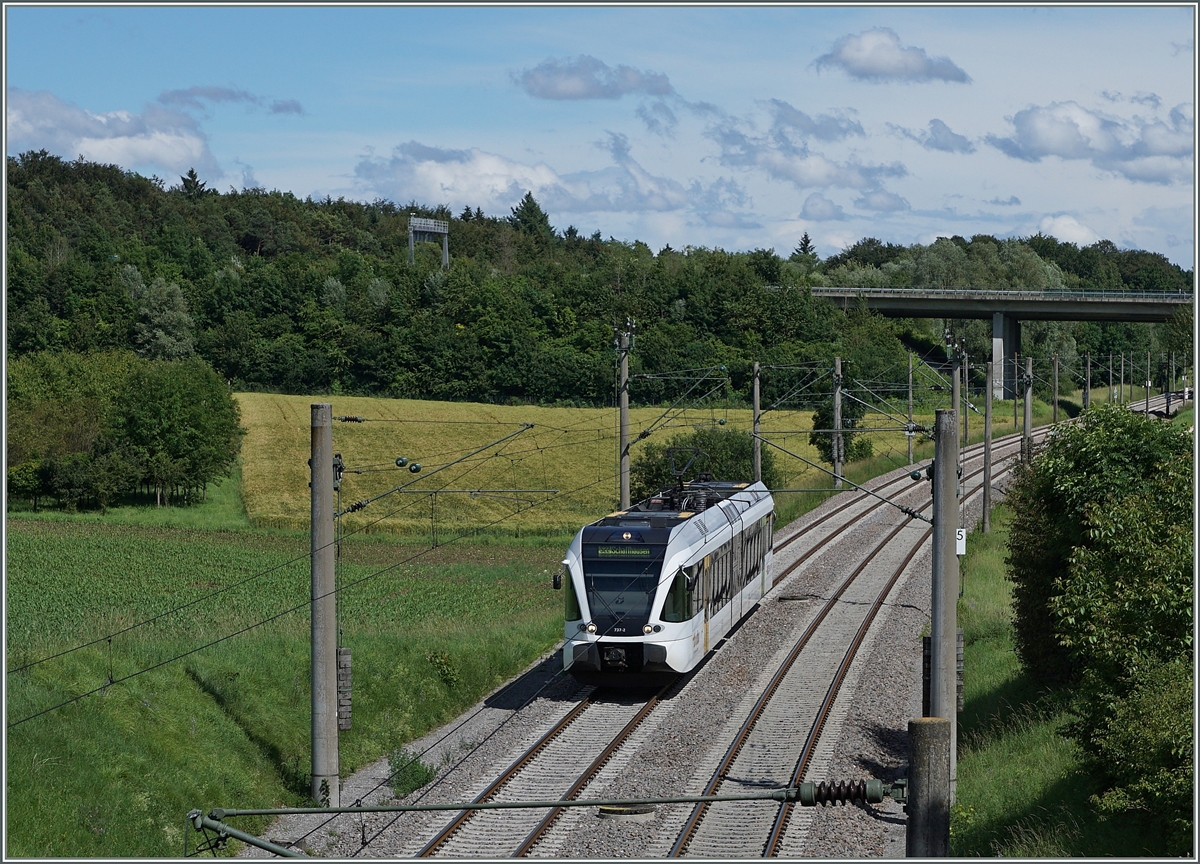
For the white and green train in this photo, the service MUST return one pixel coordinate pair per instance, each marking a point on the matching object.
(650, 590)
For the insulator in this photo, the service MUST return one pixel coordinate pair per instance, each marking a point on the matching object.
(840, 791)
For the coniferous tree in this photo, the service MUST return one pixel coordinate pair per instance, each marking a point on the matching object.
(528, 217)
(193, 186)
(805, 246)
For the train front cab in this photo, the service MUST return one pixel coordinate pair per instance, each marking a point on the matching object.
(623, 639)
(700, 604)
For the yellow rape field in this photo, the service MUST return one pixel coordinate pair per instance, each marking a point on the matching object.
(572, 452)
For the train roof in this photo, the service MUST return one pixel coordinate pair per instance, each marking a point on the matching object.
(700, 506)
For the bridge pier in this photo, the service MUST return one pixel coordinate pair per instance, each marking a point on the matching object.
(1006, 341)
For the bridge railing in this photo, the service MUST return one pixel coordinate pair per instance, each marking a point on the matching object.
(1008, 294)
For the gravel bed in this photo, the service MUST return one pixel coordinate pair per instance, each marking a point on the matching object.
(682, 741)
(874, 738)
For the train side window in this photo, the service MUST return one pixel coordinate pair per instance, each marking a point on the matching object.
(572, 612)
(677, 605)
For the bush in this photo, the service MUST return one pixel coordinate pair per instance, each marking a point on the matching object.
(1109, 454)
(1146, 747)
(1101, 555)
(727, 454)
(853, 446)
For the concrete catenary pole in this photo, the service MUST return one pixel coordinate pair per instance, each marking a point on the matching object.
(757, 443)
(1087, 381)
(1148, 380)
(956, 395)
(1112, 394)
(1121, 392)
(928, 831)
(325, 787)
(1016, 392)
(1027, 432)
(910, 409)
(1055, 397)
(943, 673)
(838, 452)
(966, 403)
(987, 455)
(623, 348)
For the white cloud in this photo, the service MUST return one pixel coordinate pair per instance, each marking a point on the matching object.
(159, 138)
(1068, 229)
(726, 219)
(658, 117)
(781, 159)
(881, 201)
(479, 179)
(818, 208)
(1145, 150)
(162, 137)
(825, 127)
(195, 97)
(286, 106)
(587, 77)
(877, 55)
(939, 137)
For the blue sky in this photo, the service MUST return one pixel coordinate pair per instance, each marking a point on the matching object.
(704, 126)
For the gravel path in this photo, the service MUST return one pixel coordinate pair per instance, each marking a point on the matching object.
(680, 744)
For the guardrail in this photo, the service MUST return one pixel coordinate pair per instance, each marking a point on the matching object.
(1008, 294)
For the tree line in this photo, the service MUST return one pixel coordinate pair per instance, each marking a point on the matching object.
(318, 296)
(89, 430)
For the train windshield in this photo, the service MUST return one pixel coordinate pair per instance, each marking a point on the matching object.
(620, 589)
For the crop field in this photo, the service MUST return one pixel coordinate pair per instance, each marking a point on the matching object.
(572, 452)
(115, 772)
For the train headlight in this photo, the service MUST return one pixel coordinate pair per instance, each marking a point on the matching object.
(582, 627)
(591, 628)
(647, 629)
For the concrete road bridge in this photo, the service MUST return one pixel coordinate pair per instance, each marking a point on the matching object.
(1007, 308)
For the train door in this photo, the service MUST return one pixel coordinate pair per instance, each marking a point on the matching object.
(706, 594)
(735, 573)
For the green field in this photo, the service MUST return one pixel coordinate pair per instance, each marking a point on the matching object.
(114, 773)
(1022, 791)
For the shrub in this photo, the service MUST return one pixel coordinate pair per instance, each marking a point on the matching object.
(1110, 453)
(1146, 747)
(853, 446)
(727, 454)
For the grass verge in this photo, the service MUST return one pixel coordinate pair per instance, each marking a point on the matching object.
(1022, 787)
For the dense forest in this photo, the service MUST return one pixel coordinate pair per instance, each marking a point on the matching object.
(315, 296)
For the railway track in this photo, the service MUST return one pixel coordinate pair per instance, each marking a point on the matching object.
(600, 724)
(779, 737)
(822, 532)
